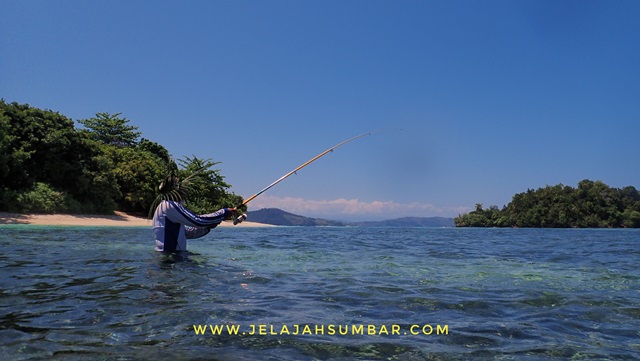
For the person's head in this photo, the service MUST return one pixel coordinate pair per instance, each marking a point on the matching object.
(170, 189)
(168, 184)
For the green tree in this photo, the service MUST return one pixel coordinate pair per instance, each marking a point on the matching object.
(47, 165)
(111, 129)
(156, 149)
(137, 173)
(37, 146)
(631, 218)
(209, 191)
(97, 190)
(41, 199)
(40, 146)
(592, 204)
(476, 218)
(5, 144)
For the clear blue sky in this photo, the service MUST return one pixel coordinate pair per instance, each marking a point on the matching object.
(479, 100)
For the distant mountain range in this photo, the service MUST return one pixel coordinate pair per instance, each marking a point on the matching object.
(278, 217)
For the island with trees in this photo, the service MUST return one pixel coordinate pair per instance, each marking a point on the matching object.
(48, 165)
(592, 204)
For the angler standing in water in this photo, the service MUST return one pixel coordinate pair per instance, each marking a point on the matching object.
(173, 223)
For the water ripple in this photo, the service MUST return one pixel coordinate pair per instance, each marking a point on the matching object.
(103, 293)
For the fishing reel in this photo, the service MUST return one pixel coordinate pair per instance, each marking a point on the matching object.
(239, 219)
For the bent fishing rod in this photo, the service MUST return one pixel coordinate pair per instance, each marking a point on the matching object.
(242, 217)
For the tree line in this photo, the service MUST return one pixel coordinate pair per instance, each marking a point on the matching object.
(590, 205)
(48, 165)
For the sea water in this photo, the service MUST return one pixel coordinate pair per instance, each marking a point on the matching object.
(73, 293)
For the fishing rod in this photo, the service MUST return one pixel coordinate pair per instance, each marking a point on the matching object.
(242, 217)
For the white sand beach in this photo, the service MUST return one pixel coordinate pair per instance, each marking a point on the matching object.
(117, 219)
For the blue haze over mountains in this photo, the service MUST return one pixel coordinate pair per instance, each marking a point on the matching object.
(278, 217)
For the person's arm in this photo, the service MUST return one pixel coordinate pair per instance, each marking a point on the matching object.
(179, 214)
(196, 232)
(197, 225)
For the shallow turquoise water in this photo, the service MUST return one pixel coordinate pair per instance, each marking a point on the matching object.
(505, 294)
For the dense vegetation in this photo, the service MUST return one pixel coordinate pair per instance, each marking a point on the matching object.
(591, 205)
(47, 165)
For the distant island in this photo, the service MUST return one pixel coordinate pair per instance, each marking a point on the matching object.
(590, 205)
(278, 217)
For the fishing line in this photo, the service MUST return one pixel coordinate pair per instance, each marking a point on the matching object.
(242, 217)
